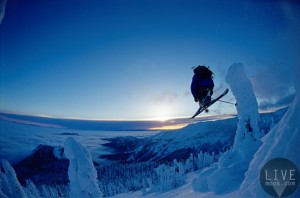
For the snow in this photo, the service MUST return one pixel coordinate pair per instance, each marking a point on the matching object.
(227, 179)
(282, 141)
(247, 138)
(183, 191)
(234, 163)
(58, 152)
(235, 175)
(18, 140)
(9, 184)
(82, 173)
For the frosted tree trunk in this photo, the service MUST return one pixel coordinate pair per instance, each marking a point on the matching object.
(82, 173)
(247, 138)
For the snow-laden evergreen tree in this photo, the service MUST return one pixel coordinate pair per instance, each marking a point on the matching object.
(272, 123)
(151, 185)
(82, 173)
(179, 174)
(10, 185)
(45, 191)
(208, 159)
(170, 177)
(164, 178)
(247, 138)
(234, 162)
(31, 190)
(200, 160)
(189, 163)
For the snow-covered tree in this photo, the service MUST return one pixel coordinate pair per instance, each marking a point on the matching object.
(170, 177)
(31, 190)
(82, 173)
(179, 174)
(247, 138)
(200, 160)
(189, 163)
(234, 162)
(9, 183)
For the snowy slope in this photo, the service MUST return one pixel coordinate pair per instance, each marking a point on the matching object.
(282, 141)
(235, 175)
(210, 136)
(185, 191)
(238, 174)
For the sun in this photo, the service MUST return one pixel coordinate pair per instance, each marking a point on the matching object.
(162, 112)
(162, 118)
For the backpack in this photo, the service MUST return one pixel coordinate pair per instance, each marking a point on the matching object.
(203, 72)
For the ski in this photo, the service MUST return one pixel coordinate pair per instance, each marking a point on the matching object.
(201, 109)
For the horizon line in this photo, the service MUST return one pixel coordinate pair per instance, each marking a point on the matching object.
(134, 119)
(111, 119)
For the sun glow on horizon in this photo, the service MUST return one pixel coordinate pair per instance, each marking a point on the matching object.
(162, 112)
(169, 127)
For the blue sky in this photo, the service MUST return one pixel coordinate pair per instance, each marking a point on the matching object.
(132, 59)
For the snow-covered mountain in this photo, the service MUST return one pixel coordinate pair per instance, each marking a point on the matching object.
(216, 158)
(46, 167)
(208, 136)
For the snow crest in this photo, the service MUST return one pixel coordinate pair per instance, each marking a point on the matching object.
(82, 173)
(282, 141)
(234, 163)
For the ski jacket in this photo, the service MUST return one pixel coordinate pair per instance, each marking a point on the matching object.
(198, 84)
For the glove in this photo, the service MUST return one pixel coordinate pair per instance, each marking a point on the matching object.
(195, 99)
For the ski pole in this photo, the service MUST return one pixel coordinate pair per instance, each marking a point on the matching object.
(228, 102)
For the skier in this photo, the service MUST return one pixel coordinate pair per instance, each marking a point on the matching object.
(202, 85)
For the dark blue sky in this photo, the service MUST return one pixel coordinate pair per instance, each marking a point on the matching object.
(132, 59)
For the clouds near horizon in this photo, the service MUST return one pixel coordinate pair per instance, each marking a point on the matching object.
(165, 96)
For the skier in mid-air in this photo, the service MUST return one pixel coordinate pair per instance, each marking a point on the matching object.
(202, 88)
(202, 85)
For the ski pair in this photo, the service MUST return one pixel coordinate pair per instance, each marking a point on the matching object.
(204, 108)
